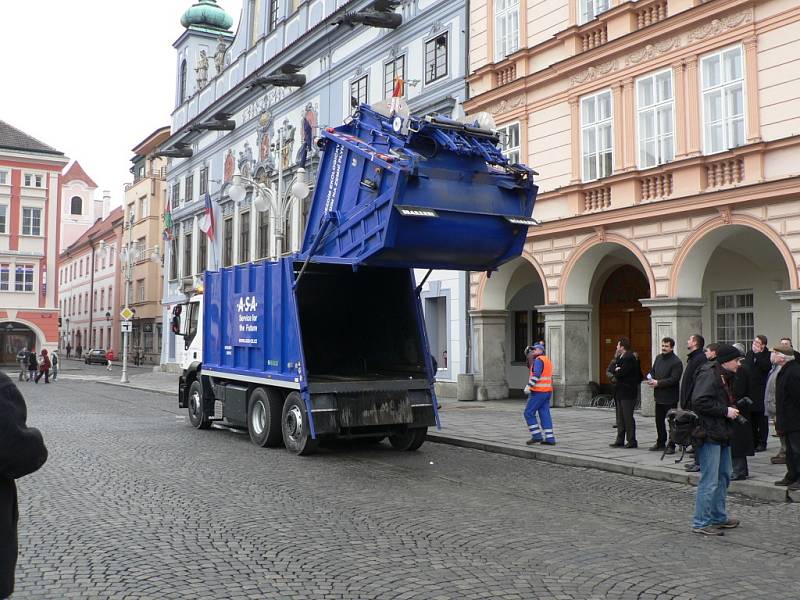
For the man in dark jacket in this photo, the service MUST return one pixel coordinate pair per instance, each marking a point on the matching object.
(712, 400)
(33, 365)
(759, 368)
(22, 451)
(664, 378)
(695, 345)
(787, 412)
(627, 377)
(742, 432)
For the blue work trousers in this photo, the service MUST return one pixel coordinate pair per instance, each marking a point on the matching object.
(539, 403)
(715, 476)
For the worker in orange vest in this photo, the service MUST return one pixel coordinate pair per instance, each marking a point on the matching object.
(540, 390)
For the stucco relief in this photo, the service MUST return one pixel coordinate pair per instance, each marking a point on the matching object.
(507, 104)
(654, 50)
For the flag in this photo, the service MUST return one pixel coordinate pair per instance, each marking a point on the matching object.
(206, 222)
(167, 220)
(397, 93)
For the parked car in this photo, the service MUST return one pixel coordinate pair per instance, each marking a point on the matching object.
(95, 355)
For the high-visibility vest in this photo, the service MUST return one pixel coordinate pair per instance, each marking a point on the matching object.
(545, 381)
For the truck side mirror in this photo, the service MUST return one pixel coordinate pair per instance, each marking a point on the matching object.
(176, 325)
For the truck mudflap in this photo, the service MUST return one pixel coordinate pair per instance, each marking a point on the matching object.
(334, 412)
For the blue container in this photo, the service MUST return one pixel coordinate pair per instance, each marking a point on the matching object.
(441, 196)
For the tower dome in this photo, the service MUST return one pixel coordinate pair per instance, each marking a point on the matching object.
(207, 14)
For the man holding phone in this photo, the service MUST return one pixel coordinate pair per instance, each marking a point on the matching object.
(665, 379)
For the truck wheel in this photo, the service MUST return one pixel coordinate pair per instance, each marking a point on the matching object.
(264, 417)
(197, 414)
(296, 434)
(409, 440)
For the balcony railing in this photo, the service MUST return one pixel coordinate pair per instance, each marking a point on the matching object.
(652, 13)
(597, 199)
(725, 172)
(595, 37)
(506, 75)
(656, 186)
(160, 174)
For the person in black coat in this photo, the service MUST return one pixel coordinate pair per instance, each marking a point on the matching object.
(713, 401)
(759, 367)
(695, 345)
(627, 377)
(664, 378)
(742, 433)
(33, 365)
(22, 451)
(787, 413)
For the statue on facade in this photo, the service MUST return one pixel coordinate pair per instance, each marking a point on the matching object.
(202, 70)
(246, 160)
(219, 55)
(288, 144)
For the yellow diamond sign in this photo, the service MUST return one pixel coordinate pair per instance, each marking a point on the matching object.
(126, 313)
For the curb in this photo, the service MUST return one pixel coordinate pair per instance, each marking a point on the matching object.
(743, 488)
(129, 386)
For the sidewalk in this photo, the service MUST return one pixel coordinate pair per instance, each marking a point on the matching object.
(583, 436)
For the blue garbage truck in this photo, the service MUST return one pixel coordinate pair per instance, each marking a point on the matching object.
(330, 341)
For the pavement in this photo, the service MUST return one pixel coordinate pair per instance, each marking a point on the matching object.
(583, 435)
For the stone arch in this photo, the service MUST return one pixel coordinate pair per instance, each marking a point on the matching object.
(576, 279)
(41, 338)
(686, 276)
(491, 292)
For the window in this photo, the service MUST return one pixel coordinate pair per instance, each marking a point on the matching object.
(359, 91)
(733, 317)
(202, 252)
(591, 8)
(86, 303)
(273, 14)
(436, 58)
(5, 269)
(173, 264)
(102, 299)
(187, 253)
(144, 207)
(109, 297)
(391, 71)
(596, 136)
(94, 302)
(263, 234)
(528, 329)
(3, 177)
(176, 194)
(31, 221)
(506, 28)
(139, 249)
(244, 237)
(33, 180)
(140, 290)
(76, 205)
(723, 100)
(255, 7)
(203, 182)
(227, 243)
(509, 141)
(189, 189)
(656, 124)
(3, 217)
(111, 254)
(182, 83)
(23, 281)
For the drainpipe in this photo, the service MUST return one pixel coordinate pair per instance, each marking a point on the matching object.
(91, 300)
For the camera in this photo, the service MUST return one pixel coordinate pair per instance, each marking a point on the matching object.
(743, 404)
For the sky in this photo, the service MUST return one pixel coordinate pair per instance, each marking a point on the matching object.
(92, 78)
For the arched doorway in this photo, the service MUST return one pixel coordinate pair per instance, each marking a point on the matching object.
(13, 338)
(621, 314)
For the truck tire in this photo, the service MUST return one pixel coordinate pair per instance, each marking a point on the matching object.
(196, 404)
(294, 424)
(409, 440)
(264, 417)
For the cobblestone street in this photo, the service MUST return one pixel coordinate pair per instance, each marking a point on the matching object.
(134, 503)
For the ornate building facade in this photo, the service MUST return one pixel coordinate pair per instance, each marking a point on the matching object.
(220, 76)
(666, 134)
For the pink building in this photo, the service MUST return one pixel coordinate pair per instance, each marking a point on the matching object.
(89, 281)
(667, 136)
(30, 192)
(79, 208)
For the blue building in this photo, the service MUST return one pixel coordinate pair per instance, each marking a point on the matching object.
(346, 58)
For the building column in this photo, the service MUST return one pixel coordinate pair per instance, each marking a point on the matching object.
(575, 139)
(489, 331)
(694, 123)
(677, 318)
(566, 330)
(679, 77)
(793, 298)
(629, 139)
(753, 133)
(618, 122)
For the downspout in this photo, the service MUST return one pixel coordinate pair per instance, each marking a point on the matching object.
(91, 301)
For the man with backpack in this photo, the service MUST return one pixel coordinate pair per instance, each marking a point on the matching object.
(714, 403)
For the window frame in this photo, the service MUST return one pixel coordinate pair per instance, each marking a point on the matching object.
(25, 269)
(227, 241)
(432, 40)
(596, 125)
(244, 237)
(188, 188)
(4, 218)
(4, 176)
(387, 91)
(735, 310)
(72, 205)
(5, 282)
(722, 87)
(654, 108)
(509, 10)
(29, 226)
(188, 251)
(583, 16)
(356, 81)
(508, 151)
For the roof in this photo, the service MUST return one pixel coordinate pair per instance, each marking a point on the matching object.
(99, 229)
(12, 138)
(76, 172)
(151, 142)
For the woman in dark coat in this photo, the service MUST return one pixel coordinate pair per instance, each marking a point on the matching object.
(22, 451)
(742, 440)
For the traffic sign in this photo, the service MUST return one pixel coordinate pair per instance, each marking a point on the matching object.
(126, 313)
(127, 326)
